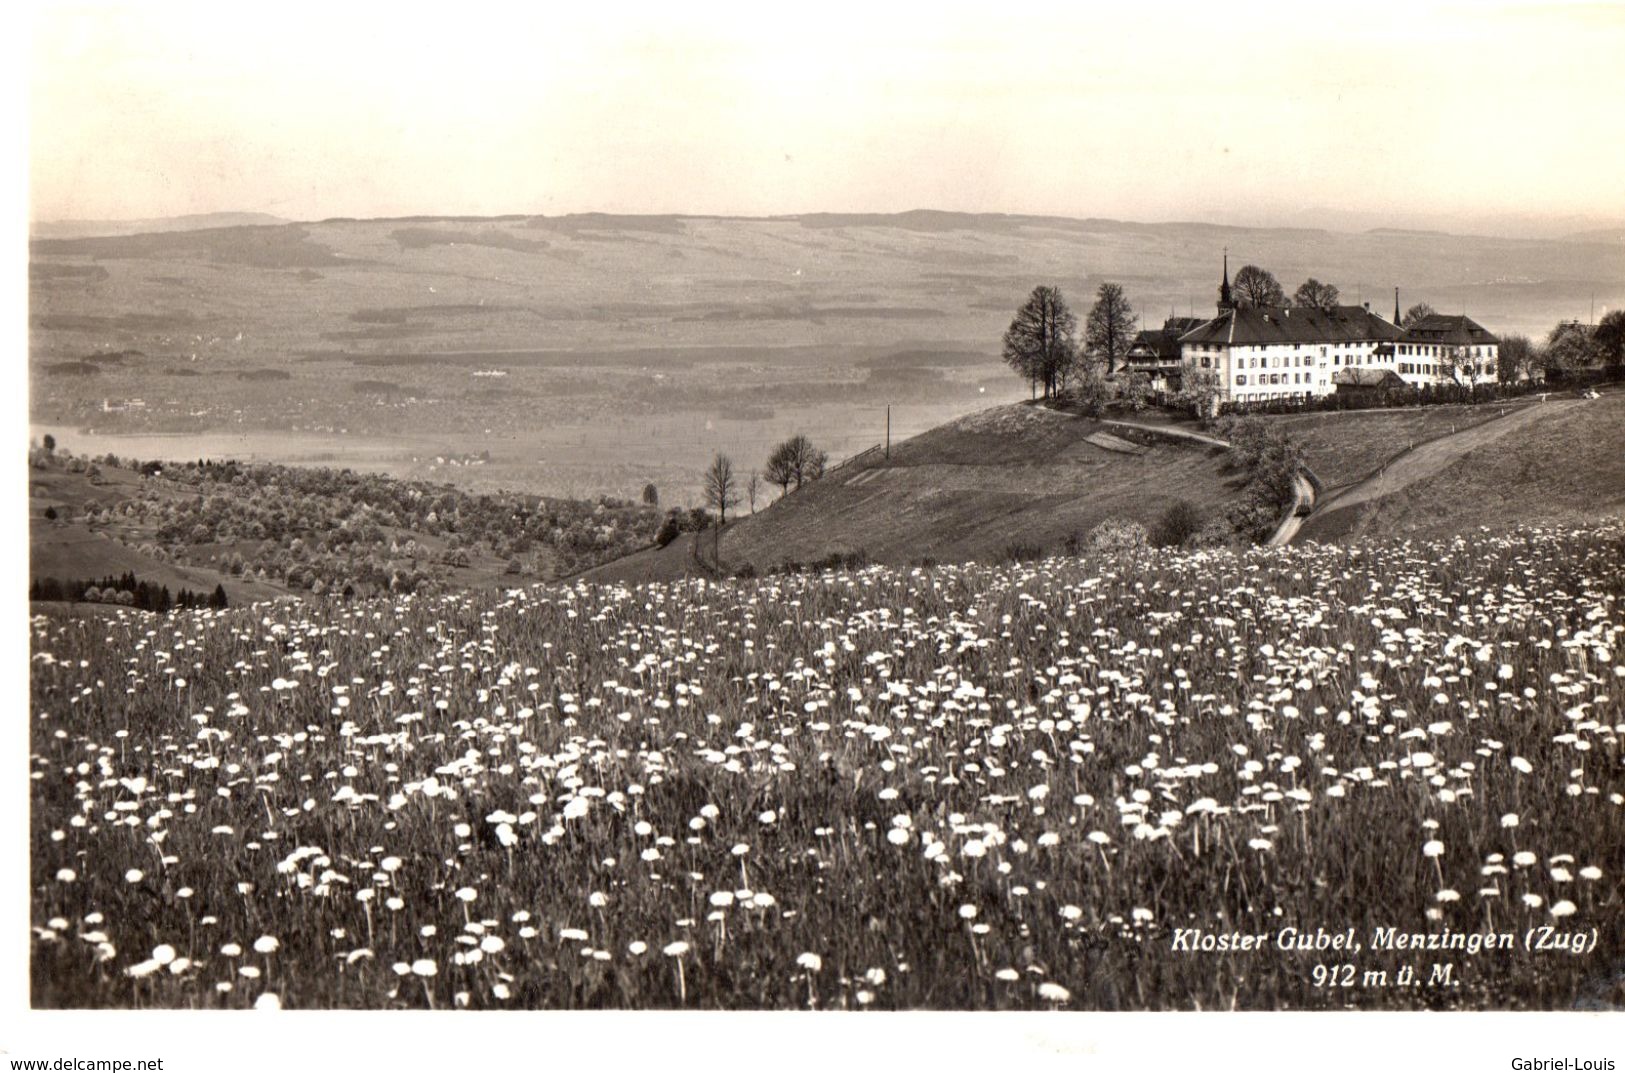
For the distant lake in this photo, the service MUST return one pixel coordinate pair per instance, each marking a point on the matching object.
(249, 445)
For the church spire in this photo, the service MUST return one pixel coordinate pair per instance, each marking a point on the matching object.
(1226, 302)
(1396, 305)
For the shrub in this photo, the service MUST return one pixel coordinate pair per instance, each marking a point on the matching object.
(668, 531)
(1091, 393)
(1178, 524)
(1213, 533)
(1117, 534)
(1018, 551)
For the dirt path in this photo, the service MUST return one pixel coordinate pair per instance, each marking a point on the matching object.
(1432, 457)
(1303, 502)
(1163, 430)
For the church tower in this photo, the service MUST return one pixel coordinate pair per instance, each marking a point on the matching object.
(1226, 301)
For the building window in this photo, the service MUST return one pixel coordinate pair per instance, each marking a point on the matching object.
(1207, 362)
(1241, 381)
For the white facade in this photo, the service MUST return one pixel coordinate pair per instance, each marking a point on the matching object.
(1297, 371)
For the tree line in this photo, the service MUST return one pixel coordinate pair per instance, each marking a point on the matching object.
(126, 591)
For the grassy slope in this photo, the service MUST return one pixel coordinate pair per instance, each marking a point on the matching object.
(1562, 470)
(1345, 448)
(964, 491)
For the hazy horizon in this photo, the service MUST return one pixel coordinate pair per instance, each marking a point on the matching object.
(1456, 118)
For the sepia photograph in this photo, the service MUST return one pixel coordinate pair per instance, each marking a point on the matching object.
(709, 522)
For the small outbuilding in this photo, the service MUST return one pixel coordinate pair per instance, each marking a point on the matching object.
(1367, 385)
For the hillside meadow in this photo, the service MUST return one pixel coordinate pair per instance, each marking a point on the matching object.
(976, 787)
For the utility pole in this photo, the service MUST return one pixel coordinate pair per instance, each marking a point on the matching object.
(888, 430)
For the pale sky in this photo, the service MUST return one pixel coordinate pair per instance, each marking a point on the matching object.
(1246, 113)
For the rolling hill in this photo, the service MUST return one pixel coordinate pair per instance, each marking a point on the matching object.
(973, 489)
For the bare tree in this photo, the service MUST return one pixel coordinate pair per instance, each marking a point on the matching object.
(1256, 286)
(1417, 312)
(1109, 331)
(1039, 342)
(1314, 294)
(1516, 357)
(1452, 361)
(780, 469)
(753, 489)
(796, 461)
(721, 492)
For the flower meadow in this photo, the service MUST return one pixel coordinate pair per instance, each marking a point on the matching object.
(965, 787)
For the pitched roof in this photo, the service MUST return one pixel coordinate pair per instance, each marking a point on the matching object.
(1355, 377)
(1265, 325)
(1449, 330)
(1162, 344)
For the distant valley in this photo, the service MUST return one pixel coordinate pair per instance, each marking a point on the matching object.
(593, 354)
